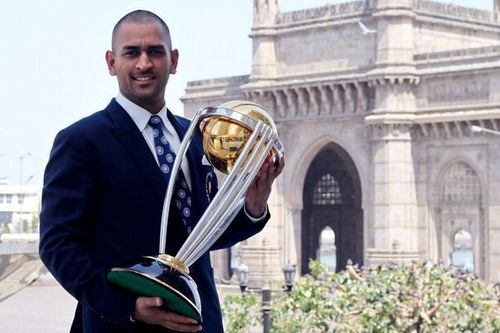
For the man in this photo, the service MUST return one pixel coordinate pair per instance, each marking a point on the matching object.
(104, 188)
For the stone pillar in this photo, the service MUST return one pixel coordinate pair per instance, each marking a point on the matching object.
(394, 222)
(264, 56)
(393, 209)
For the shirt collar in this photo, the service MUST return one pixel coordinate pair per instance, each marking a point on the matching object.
(139, 115)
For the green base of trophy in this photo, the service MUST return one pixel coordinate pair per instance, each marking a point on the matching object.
(156, 278)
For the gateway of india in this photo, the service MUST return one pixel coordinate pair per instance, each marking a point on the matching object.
(374, 101)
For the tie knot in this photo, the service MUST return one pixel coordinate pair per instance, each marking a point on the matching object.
(155, 121)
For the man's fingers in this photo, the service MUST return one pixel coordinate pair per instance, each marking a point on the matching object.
(149, 302)
(172, 316)
(180, 323)
(176, 322)
(279, 168)
(266, 176)
(148, 310)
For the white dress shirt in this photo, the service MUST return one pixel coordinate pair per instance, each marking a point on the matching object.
(141, 117)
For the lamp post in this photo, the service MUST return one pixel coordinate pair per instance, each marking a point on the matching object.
(266, 308)
(21, 160)
(289, 273)
(242, 272)
(478, 129)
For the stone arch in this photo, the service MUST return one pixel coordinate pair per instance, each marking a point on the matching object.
(460, 194)
(457, 167)
(446, 165)
(305, 160)
(293, 185)
(333, 169)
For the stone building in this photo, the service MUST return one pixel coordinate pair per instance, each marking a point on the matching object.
(374, 101)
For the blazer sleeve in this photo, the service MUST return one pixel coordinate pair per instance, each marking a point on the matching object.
(67, 222)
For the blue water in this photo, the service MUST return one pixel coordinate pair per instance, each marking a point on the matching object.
(329, 260)
(463, 258)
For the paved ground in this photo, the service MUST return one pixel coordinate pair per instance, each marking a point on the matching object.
(43, 307)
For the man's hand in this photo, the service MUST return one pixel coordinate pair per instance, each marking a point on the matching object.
(259, 191)
(147, 310)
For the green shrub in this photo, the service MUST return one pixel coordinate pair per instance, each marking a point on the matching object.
(416, 298)
(241, 312)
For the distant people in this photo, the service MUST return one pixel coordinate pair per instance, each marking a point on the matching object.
(104, 188)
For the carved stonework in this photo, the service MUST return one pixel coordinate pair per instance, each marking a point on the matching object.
(454, 129)
(315, 100)
(390, 131)
(458, 90)
(265, 12)
(358, 7)
(436, 8)
(326, 102)
(458, 54)
(348, 8)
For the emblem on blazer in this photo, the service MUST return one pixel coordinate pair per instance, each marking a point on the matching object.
(208, 185)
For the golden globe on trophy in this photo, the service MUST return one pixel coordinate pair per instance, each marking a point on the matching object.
(238, 137)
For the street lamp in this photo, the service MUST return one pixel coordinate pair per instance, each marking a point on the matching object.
(30, 178)
(478, 129)
(21, 159)
(289, 273)
(242, 272)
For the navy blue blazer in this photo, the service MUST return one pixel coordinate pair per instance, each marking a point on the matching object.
(101, 207)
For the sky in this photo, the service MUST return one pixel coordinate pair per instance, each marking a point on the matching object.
(54, 71)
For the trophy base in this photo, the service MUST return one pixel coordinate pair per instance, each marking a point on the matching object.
(153, 277)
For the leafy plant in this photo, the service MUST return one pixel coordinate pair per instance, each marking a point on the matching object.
(241, 312)
(416, 298)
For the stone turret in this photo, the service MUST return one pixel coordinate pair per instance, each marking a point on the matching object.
(395, 43)
(264, 57)
(265, 12)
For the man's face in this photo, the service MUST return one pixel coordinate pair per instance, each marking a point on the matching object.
(142, 62)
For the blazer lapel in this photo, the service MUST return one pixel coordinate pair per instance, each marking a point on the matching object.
(129, 135)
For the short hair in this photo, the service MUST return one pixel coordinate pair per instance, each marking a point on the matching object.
(141, 16)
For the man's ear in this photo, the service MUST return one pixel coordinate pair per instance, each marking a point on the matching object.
(110, 60)
(174, 54)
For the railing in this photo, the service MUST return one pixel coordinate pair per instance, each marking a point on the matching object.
(437, 8)
(342, 9)
(358, 7)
